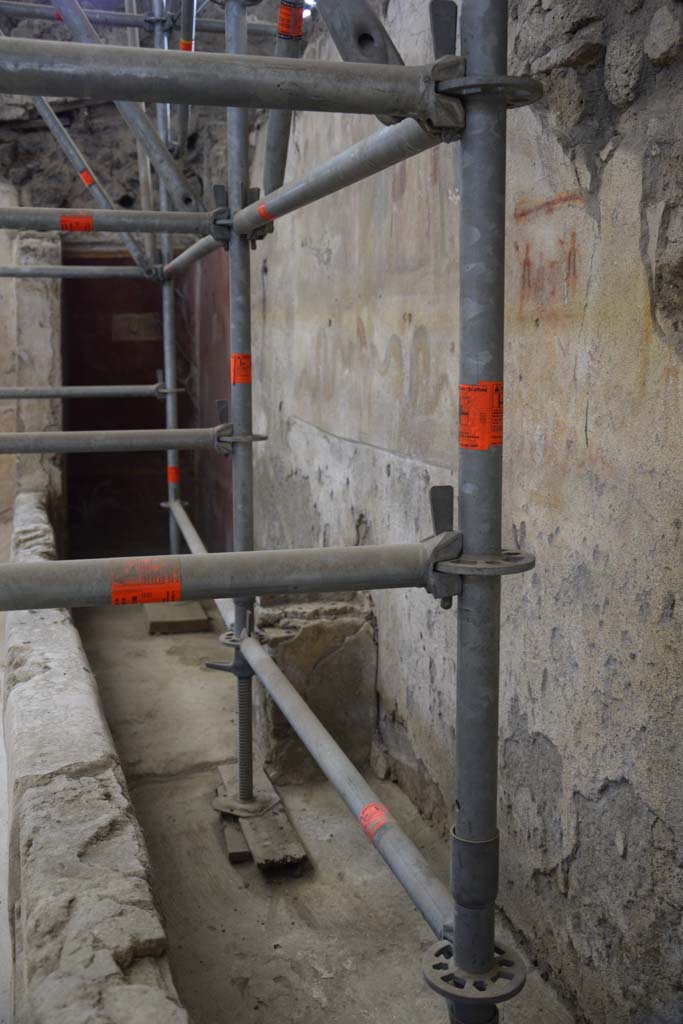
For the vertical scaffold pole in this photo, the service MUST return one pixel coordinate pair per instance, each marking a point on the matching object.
(482, 274)
(168, 309)
(240, 386)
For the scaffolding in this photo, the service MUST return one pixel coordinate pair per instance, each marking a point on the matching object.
(454, 98)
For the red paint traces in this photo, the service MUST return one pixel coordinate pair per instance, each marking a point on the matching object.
(524, 209)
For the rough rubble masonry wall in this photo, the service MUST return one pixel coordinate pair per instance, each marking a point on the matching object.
(355, 316)
(89, 944)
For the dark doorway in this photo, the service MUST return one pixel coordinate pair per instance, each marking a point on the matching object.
(112, 335)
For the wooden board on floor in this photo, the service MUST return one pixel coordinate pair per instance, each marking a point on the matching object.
(269, 835)
(272, 841)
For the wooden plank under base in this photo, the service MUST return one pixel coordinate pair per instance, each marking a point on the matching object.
(266, 829)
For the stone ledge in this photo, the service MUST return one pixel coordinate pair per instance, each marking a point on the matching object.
(89, 945)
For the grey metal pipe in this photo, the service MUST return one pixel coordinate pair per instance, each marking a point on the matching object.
(144, 166)
(78, 24)
(290, 30)
(226, 608)
(163, 113)
(213, 79)
(100, 581)
(129, 19)
(34, 270)
(195, 252)
(482, 280)
(379, 151)
(94, 441)
(86, 391)
(382, 149)
(87, 176)
(46, 218)
(188, 18)
(239, 257)
(406, 862)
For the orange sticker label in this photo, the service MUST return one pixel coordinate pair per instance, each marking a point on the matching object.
(75, 224)
(86, 177)
(262, 212)
(290, 23)
(372, 817)
(173, 474)
(187, 45)
(481, 415)
(240, 369)
(147, 581)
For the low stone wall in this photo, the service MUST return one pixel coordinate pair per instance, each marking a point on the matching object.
(89, 945)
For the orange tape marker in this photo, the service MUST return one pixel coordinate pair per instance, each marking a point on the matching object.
(372, 817)
(147, 581)
(240, 369)
(87, 178)
(481, 415)
(187, 45)
(290, 23)
(262, 212)
(173, 474)
(75, 224)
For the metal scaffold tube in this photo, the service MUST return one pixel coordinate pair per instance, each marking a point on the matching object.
(77, 22)
(213, 79)
(36, 270)
(145, 186)
(195, 252)
(163, 578)
(64, 442)
(88, 177)
(87, 391)
(239, 258)
(128, 19)
(381, 150)
(290, 30)
(168, 307)
(46, 218)
(196, 545)
(188, 19)
(406, 862)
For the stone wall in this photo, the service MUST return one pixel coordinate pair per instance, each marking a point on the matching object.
(355, 315)
(89, 945)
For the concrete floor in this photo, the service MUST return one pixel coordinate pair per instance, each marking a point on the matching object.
(342, 941)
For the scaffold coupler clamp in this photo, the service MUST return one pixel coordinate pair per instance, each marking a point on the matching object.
(221, 219)
(225, 438)
(448, 121)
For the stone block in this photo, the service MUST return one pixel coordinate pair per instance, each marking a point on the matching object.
(328, 652)
(664, 39)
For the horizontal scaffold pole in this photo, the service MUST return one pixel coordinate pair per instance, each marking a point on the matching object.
(144, 580)
(47, 218)
(401, 855)
(87, 391)
(36, 270)
(30, 66)
(93, 441)
(116, 19)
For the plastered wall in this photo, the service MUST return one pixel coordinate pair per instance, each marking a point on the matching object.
(355, 312)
